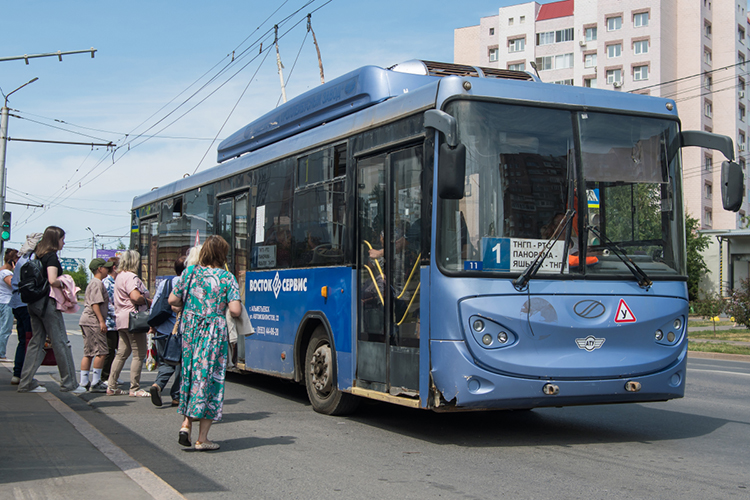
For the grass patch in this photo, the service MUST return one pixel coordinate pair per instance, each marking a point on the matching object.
(721, 348)
(708, 322)
(741, 335)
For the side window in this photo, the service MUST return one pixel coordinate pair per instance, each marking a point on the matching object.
(174, 234)
(320, 209)
(272, 211)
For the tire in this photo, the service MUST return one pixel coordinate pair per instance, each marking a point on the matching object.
(320, 378)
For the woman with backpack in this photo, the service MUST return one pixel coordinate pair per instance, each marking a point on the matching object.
(46, 320)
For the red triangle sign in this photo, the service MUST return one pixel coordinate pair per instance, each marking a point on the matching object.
(624, 314)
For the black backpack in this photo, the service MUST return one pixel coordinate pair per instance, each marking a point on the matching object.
(32, 282)
(161, 310)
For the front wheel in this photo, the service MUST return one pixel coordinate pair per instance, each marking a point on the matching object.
(320, 378)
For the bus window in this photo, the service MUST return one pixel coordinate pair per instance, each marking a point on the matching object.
(272, 242)
(319, 215)
(199, 210)
(174, 235)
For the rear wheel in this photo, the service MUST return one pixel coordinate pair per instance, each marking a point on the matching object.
(320, 378)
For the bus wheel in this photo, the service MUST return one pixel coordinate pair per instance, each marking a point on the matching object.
(320, 378)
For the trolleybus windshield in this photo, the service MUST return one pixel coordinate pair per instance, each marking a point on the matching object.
(526, 166)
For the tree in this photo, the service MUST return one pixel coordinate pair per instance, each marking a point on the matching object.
(80, 278)
(739, 304)
(696, 266)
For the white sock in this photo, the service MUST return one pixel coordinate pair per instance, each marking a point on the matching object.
(97, 376)
(84, 377)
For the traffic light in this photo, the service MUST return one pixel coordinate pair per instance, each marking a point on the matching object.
(5, 233)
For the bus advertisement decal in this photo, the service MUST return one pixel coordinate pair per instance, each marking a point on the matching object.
(624, 314)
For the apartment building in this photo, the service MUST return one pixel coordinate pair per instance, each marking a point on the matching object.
(692, 51)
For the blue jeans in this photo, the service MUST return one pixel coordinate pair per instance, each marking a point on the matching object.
(6, 326)
(23, 325)
(166, 371)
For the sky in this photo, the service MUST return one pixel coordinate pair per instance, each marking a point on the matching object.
(156, 89)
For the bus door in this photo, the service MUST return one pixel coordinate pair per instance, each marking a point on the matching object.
(389, 237)
(232, 226)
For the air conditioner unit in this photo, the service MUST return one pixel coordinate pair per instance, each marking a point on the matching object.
(617, 85)
(582, 43)
(742, 94)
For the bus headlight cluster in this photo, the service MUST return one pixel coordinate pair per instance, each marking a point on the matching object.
(489, 334)
(674, 329)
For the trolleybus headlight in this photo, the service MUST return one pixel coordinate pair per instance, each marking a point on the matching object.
(670, 337)
(502, 337)
(486, 339)
(478, 325)
(659, 335)
(677, 324)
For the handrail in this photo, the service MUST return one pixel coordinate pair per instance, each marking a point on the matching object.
(372, 276)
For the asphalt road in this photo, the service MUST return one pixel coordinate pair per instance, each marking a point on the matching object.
(275, 446)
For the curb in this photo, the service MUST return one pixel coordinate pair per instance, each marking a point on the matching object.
(718, 355)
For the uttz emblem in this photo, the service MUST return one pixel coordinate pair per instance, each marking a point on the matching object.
(590, 343)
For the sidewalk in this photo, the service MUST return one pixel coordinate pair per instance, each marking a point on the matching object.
(49, 451)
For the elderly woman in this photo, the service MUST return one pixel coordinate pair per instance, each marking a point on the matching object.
(205, 292)
(130, 295)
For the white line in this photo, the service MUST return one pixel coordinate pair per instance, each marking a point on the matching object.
(143, 477)
(718, 371)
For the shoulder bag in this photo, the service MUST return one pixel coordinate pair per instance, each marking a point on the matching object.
(138, 320)
(173, 346)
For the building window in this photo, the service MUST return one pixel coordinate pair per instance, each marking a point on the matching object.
(709, 82)
(708, 109)
(707, 162)
(741, 34)
(517, 67)
(589, 60)
(742, 163)
(742, 113)
(707, 28)
(708, 190)
(640, 20)
(517, 45)
(707, 56)
(741, 83)
(564, 82)
(640, 47)
(707, 219)
(547, 37)
(614, 23)
(510, 21)
(564, 61)
(565, 35)
(741, 141)
(614, 76)
(640, 73)
(493, 55)
(614, 50)
(590, 34)
(590, 82)
(492, 31)
(741, 58)
(522, 19)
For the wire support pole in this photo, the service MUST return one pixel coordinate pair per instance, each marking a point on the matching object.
(57, 54)
(278, 61)
(317, 48)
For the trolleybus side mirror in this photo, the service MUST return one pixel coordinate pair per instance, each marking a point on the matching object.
(708, 140)
(731, 185)
(452, 155)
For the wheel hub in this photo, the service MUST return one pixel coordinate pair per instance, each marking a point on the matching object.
(320, 369)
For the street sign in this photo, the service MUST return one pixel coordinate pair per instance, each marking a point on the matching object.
(72, 265)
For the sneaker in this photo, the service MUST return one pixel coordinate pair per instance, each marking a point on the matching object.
(78, 390)
(39, 389)
(15, 381)
(98, 387)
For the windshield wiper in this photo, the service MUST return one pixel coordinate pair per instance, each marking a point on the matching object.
(643, 280)
(520, 282)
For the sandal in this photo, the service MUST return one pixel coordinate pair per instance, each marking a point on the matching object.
(140, 393)
(184, 438)
(116, 392)
(206, 446)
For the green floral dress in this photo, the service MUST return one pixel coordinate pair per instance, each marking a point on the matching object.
(204, 339)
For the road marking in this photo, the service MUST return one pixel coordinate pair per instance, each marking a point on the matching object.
(718, 371)
(143, 477)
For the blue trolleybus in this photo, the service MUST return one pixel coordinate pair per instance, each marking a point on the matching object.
(451, 237)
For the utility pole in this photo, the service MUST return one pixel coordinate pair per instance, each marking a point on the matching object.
(4, 145)
(93, 242)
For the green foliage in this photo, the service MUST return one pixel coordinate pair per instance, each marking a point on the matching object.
(709, 306)
(80, 278)
(738, 305)
(696, 266)
(633, 212)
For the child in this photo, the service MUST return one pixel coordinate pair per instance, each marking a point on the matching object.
(94, 327)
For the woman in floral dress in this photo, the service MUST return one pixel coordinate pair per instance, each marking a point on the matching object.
(205, 293)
